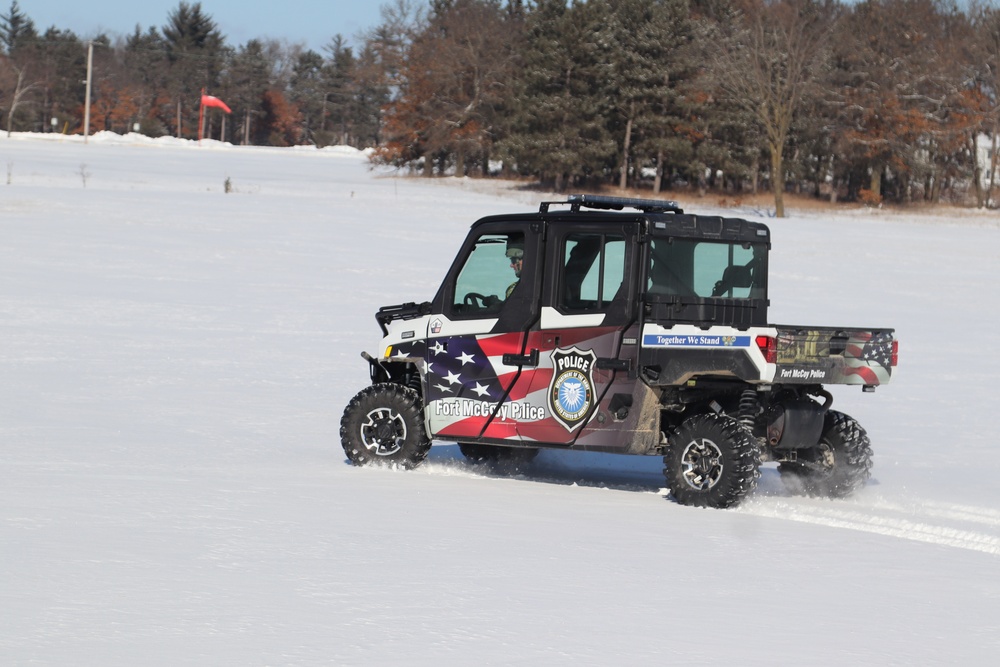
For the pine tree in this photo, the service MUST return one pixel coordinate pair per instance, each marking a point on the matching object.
(194, 49)
(338, 90)
(714, 132)
(145, 61)
(306, 92)
(559, 129)
(647, 39)
(19, 83)
(15, 29)
(189, 30)
(248, 77)
(370, 92)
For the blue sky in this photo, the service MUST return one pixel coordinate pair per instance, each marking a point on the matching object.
(313, 22)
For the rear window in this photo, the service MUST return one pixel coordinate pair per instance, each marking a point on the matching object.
(706, 269)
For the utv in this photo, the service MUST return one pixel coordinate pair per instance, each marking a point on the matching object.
(619, 325)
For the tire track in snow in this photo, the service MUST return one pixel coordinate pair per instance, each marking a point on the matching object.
(931, 522)
(968, 513)
(910, 522)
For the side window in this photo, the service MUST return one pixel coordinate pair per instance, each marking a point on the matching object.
(705, 269)
(671, 267)
(490, 274)
(592, 273)
(722, 269)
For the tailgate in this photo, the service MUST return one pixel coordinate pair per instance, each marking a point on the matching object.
(818, 355)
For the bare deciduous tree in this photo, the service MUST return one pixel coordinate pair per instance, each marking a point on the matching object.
(456, 71)
(986, 20)
(769, 66)
(18, 95)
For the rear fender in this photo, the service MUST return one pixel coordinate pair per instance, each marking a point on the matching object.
(796, 423)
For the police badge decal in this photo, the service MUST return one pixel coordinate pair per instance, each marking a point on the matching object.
(571, 392)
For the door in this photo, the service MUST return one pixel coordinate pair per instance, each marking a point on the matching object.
(478, 368)
(587, 336)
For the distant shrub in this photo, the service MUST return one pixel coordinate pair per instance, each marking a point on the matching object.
(870, 198)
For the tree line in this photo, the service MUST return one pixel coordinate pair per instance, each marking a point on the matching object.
(878, 100)
(151, 80)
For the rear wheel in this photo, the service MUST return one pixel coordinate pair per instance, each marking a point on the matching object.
(838, 466)
(712, 461)
(384, 425)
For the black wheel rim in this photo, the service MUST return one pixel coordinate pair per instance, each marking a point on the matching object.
(826, 460)
(701, 464)
(384, 433)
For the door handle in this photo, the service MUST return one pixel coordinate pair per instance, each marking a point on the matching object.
(530, 359)
(612, 364)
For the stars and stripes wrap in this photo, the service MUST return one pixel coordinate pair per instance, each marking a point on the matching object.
(834, 356)
(466, 380)
(868, 358)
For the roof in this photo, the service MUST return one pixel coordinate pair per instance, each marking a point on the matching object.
(663, 218)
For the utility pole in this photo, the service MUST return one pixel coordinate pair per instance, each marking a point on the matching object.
(86, 106)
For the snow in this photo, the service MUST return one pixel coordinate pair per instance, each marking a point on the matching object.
(174, 361)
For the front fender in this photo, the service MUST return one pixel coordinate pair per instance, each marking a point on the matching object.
(399, 371)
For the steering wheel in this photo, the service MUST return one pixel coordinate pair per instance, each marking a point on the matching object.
(477, 301)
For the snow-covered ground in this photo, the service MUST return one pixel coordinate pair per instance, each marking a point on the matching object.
(174, 361)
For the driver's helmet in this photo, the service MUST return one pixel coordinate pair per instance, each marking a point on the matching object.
(515, 249)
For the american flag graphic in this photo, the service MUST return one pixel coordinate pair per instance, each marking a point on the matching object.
(470, 367)
(466, 379)
(878, 349)
(869, 357)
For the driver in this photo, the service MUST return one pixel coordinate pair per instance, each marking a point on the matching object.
(515, 253)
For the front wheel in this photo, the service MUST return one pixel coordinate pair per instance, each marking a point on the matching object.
(712, 461)
(838, 466)
(384, 425)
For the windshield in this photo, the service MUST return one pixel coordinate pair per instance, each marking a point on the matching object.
(490, 273)
(706, 269)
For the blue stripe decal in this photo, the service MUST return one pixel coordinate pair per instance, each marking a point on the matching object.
(694, 340)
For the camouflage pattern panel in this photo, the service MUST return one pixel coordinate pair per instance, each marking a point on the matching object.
(834, 356)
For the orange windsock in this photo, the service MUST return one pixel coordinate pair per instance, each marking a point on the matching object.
(209, 101)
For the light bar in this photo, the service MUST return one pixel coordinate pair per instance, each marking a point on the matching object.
(606, 203)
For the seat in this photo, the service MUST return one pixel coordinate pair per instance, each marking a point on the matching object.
(733, 276)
